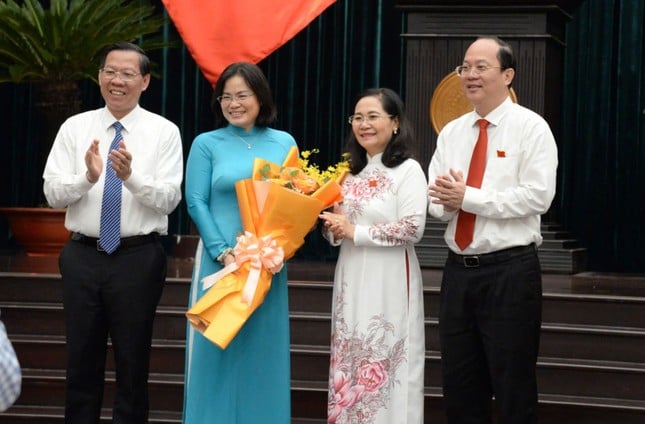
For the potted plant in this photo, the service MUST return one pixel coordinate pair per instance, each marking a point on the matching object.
(57, 47)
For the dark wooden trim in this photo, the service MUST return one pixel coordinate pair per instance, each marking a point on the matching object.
(472, 37)
(569, 6)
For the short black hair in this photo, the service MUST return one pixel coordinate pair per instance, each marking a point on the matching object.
(144, 61)
(255, 79)
(504, 55)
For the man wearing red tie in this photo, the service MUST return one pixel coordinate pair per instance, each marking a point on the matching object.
(491, 177)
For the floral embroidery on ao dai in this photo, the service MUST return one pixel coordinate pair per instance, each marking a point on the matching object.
(378, 343)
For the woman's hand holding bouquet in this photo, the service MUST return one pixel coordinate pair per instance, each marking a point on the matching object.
(279, 205)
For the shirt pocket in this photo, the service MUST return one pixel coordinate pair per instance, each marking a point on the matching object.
(502, 170)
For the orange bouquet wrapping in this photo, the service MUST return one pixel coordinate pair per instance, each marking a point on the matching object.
(275, 220)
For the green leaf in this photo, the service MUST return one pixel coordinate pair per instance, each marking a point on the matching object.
(65, 41)
(265, 171)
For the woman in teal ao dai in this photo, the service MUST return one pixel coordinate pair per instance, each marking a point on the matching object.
(249, 381)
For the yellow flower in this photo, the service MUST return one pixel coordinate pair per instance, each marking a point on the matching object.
(308, 177)
(333, 172)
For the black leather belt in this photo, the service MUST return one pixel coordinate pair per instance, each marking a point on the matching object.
(126, 242)
(474, 261)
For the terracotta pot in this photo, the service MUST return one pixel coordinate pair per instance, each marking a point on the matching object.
(39, 231)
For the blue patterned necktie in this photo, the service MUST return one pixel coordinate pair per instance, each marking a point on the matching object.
(110, 231)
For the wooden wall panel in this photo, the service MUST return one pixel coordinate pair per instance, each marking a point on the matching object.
(436, 38)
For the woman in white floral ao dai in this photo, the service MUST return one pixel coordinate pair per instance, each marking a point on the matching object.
(378, 342)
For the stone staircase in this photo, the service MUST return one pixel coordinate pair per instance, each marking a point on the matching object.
(591, 365)
(559, 252)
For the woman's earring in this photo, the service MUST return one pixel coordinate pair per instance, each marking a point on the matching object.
(396, 130)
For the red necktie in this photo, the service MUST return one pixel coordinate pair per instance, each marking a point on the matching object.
(466, 220)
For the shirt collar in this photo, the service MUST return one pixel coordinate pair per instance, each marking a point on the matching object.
(241, 132)
(496, 115)
(377, 158)
(127, 121)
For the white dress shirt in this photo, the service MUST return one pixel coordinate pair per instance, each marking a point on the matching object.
(519, 181)
(152, 191)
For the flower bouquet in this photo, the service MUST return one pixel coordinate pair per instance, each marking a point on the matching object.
(278, 205)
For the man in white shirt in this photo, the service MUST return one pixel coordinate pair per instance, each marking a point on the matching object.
(118, 171)
(491, 292)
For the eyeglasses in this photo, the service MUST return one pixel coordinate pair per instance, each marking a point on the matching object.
(370, 119)
(462, 70)
(110, 74)
(240, 98)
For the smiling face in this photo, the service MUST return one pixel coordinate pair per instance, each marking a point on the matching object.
(374, 131)
(122, 96)
(486, 89)
(242, 108)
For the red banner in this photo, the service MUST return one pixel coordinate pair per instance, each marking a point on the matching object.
(220, 32)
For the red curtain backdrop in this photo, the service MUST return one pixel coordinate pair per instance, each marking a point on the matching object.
(220, 32)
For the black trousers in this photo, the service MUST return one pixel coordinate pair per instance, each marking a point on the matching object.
(114, 295)
(489, 323)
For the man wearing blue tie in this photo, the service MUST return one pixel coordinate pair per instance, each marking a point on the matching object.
(118, 171)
